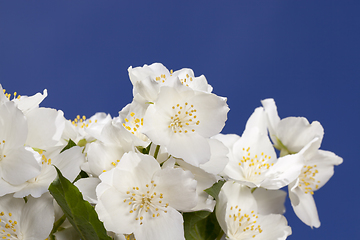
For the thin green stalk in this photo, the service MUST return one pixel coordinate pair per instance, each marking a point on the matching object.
(156, 151)
(57, 224)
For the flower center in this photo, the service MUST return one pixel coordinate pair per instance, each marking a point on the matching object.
(186, 80)
(7, 226)
(183, 118)
(307, 179)
(145, 201)
(81, 122)
(243, 225)
(8, 95)
(129, 237)
(44, 160)
(254, 166)
(133, 124)
(161, 79)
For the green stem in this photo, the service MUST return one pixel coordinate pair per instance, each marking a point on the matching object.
(220, 235)
(156, 151)
(57, 224)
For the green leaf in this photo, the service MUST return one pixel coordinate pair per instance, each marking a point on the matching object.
(78, 211)
(215, 189)
(82, 174)
(69, 145)
(144, 150)
(201, 225)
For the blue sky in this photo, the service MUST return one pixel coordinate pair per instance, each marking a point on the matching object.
(304, 54)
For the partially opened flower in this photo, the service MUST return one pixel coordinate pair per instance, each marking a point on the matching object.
(238, 215)
(148, 79)
(139, 197)
(290, 134)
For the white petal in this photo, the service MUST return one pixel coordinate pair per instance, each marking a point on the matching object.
(46, 126)
(37, 217)
(258, 119)
(6, 188)
(13, 127)
(284, 171)
(26, 103)
(69, 162)
(103, 157)
(87, 187)
(166, 226)
(325, 161)
(274, 227)
(270, 201)
(304, 206)
(147, 88)
(8, 204)
(178, 187)
(272, 116)
(38, 185)
(204, 180)
(297, 132)
(218, 158)
(19, 166)
(193, 149)
(211, 112)
(114, 213)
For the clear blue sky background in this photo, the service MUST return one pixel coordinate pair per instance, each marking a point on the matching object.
(305, 54)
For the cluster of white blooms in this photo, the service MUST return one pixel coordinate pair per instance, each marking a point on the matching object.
(144, 169)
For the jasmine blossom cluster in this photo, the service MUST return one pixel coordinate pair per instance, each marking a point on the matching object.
(161, 169)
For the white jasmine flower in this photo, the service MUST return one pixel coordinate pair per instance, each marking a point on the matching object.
(290, 134)
(182, 119)
(68, 162)
(84, 130)
(26, 221)
(253, 161)
(141, 198)
(238, 215)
